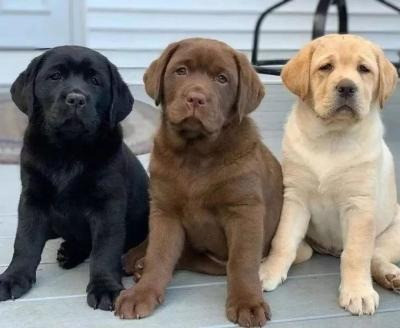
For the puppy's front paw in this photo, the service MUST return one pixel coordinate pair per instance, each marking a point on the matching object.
(137, 302)
(271, 275)
(248, 312)
(359, 300)
(13, 286)
(102, 295)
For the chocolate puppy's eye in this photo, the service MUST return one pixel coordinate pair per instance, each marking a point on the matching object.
(55, 76)
(221, 78)
(326, 68)
(95, 81)
(181, 71)
(363, 69)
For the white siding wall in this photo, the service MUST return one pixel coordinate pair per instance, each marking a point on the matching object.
(133, 33)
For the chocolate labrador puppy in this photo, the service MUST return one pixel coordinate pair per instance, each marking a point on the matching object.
(79, 180)
(216, 190)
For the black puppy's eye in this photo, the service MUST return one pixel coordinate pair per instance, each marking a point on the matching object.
(363, 69)
(95, 81)
(181, 71)
(221, 78)
(55, 76)
(326, 68)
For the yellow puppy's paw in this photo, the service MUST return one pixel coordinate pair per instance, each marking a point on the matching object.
(270, 276)
(359, 300)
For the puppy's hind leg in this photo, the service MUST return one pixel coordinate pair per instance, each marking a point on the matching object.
(387, 252)
(200, 262)
(70, 254)
(291, 231)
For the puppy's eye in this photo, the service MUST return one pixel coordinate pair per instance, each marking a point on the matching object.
(95, 81)
(221, 78)
(363, 69)
(55, 76)
(326, 68)
(181, 71)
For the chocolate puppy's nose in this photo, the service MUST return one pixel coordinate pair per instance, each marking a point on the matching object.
(75, 100)
(346, 88)
(195, 99)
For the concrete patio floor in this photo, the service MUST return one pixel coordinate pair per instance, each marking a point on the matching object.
(307, 299)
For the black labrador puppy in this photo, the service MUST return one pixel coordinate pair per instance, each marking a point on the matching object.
(79, 180)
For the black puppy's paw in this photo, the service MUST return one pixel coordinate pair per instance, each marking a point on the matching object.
(102, 295)
(69, 255)
(13, 286)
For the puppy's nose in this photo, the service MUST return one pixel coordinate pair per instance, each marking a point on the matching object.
(346, 88)
(75, 100)
(195, 99)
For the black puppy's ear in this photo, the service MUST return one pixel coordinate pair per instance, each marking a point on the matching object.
(122, 99)
(23, 88)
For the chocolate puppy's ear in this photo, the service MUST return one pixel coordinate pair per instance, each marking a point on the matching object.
(23, 88)
(250, 88)
(122, 99)
(154, 77)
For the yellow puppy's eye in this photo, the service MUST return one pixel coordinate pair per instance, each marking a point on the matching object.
(181, 71)
(363, 69)
(221, 78)
(326, 68)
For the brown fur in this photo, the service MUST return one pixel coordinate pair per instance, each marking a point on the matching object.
(216, 190)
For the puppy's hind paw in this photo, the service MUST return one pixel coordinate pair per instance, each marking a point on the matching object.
(69, 256)
(270, 279)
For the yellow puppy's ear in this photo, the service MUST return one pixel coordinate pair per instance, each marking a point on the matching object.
(250, 88)
(154, 76)
(387, 78)
(296, 73)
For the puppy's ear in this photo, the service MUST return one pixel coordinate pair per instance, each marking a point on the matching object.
(250, 89)
(23, 88)
(154, 76)
(122, 99)
(387, 78)
(296, 73)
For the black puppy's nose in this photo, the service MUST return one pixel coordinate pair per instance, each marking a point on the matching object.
(346, 88)
(195, 99)
(76, 100)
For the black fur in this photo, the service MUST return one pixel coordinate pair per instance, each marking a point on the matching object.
(79, 180)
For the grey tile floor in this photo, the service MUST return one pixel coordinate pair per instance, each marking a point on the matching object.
(307, 299)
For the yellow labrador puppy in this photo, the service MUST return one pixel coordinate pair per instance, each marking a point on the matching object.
(340, 193)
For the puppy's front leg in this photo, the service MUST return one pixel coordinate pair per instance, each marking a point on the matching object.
(291, 231)
(356, 292)
(32, 233)
(166, 240)
(244, 232)
(108, 238)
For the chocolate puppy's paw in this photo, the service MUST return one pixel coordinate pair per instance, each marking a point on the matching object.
(132, 258)
(69, 255)
(137, 302)
(13, 286)
(248, 312)
(102, 295)
(136, 270)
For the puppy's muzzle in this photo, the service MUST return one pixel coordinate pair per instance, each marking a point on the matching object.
(75, 100)
(346, 89)
(195, 100)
